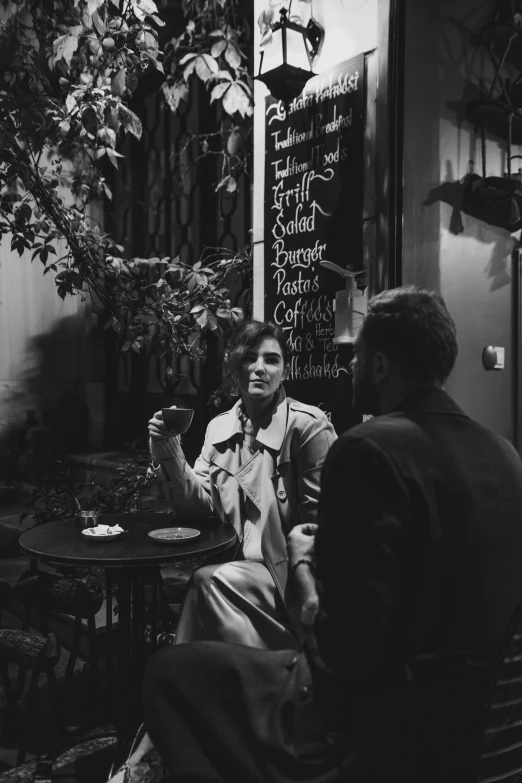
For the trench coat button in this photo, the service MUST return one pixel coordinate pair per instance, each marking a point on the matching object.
(281, 494)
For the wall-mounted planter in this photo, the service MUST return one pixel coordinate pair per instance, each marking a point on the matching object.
(495, 200)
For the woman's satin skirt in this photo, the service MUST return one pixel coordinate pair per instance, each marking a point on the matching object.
(238, 603)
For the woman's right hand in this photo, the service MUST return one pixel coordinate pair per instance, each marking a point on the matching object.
(157, 429)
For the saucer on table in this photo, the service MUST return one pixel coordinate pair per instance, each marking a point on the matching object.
(102, 532)
(173, 535)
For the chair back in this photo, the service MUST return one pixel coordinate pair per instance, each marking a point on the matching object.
(501, 758)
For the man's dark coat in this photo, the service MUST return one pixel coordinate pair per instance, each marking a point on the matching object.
(419, 561)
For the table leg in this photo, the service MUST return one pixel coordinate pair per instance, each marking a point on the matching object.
(108, 640)
(129, 643)
(137, 632)
(124, 644)
(154, 610)
(142, 640)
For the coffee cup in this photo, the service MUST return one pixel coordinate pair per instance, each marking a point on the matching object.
(177, 420)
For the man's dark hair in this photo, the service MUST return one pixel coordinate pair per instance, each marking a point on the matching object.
(413, 326)
(242, 339)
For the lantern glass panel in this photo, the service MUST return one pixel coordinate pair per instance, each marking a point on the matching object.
(272, 53)
(296, 50)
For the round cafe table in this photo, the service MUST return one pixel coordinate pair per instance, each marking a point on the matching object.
(131, 563)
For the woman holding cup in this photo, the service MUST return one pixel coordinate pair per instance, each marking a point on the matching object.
(259, 470)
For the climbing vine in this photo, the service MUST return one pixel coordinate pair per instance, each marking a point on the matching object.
(214, 49)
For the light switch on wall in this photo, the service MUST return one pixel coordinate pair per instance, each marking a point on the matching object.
(493, 357)
(499, 364)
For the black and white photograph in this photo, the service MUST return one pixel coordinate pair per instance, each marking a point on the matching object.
(261, 391)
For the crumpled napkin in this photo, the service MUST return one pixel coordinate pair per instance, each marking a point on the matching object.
(104, 530)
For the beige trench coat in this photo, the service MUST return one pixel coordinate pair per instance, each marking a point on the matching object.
(285, 490)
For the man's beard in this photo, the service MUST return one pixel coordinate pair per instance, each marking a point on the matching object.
(365, 399)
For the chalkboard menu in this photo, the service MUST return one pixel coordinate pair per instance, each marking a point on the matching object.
(313, 212)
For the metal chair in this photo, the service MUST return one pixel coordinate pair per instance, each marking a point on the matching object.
(29, 651)
(501, 759)
(73, 596)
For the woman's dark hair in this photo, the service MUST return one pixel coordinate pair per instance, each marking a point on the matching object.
(413, 326)
(242, 339)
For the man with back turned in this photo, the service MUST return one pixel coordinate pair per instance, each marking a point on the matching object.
(407, 584)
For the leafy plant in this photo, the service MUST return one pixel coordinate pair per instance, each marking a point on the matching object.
(125, 493)
(215, 49)
(67, 71)
(171, 304)
(59, 498)
(54, 500)
(66, 68)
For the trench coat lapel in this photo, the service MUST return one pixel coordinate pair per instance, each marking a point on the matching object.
(250, 479)
(226, 452)
(273, 435)
(252, 475)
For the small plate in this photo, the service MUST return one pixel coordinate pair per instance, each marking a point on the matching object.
(173, 535)
(89, 533)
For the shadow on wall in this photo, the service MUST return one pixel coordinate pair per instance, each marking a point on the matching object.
(476, 224)
(455, 76)
(46, 414)
(485, 208)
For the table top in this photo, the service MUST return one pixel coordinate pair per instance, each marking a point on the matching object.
(63, 542)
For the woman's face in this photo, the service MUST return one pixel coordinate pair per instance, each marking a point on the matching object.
(261, 370)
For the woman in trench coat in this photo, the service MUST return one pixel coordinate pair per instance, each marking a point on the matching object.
(259, 470)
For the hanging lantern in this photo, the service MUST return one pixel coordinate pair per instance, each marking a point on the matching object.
(294, 48)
